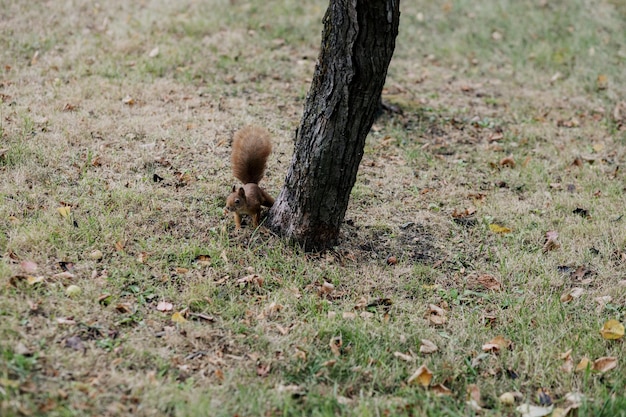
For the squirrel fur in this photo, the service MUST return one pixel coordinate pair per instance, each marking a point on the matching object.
(251, 148)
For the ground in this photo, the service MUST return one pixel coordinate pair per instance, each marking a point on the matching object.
(487, 218)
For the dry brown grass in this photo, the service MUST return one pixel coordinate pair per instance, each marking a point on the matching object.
(135, 140)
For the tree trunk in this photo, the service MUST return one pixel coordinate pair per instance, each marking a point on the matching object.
(357, 44)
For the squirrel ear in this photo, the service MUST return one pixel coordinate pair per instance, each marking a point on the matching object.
(234, 188)
(242, 193)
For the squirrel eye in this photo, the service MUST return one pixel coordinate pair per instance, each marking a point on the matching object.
(237, 201)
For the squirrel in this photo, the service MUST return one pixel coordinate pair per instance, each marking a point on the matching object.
(251, 148)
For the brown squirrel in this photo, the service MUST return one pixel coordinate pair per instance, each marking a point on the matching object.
(251, 148)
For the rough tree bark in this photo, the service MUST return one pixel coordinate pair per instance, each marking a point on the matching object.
(358, 41)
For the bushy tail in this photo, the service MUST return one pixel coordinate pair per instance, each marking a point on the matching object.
(251, 148)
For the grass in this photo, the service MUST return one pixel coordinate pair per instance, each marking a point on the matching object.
(123, 112)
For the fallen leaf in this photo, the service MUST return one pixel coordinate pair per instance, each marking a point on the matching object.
(29, 267)
(436, 315)
(164, 306)
(154, 52)
(404, 356)
(528, 410)
(583, 364)
(366, 315)
(574, 399)
(422, 376)
(568, 364)
(34, 280)
(496, 228)
(507, 162)
(428, 347)
(335, 345)
(572, 294)
(605, 364)
(203, 260)
(551, 241)
(177, 317)
(273, 309)
(64, 211)
(612, 330)
(489, 282)
(440, 389)
(326, 288)
(251, 279)
(496, 344)
(348, 315)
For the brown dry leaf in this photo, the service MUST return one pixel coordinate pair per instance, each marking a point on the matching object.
(128, 100)
(326, 289)
(568, 364)
(583, 364)
(551, 241)
(348, 315)
(422, 376)
(251, 279)
(29, 267)
(496, 344)
(63, 275)
(428, 347)
(142, 257)
(572, 294)
(271, 310)
(612, 330)
(404, 356)
(436, 315)
(507, 162)
(335, 345)
(605, 364)
(119, 246)
(124, 308)
(440, 389)
(489, 282)
(203, 260)
(164, 306)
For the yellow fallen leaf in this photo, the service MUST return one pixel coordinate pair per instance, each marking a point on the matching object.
(496, 228)
(422, 376)
(64, 211)
(34, 280)
(612, 330)
(583, 364)
(178, 318)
